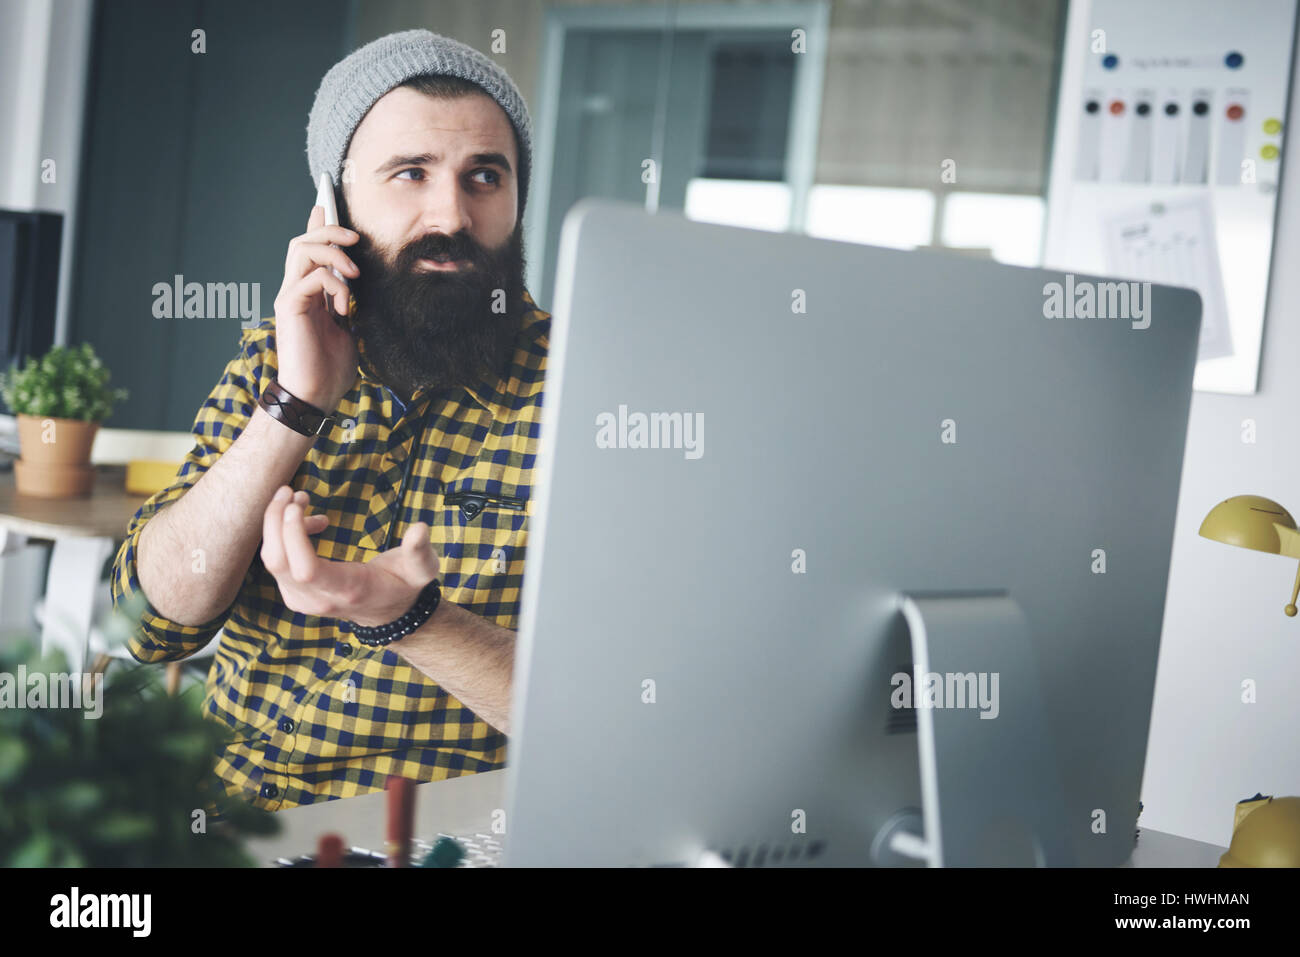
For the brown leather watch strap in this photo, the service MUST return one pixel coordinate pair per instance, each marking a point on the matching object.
(303, 417)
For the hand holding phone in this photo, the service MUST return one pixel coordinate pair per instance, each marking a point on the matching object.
(316, 355)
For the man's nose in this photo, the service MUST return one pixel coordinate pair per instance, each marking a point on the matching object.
(446, 209)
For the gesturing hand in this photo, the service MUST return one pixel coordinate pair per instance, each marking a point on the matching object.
(370, 593)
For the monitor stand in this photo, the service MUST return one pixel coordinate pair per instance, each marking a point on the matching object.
(991, 790)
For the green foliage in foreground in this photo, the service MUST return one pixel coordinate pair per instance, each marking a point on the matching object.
(119, 790)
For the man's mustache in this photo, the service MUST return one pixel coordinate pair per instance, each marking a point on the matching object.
(458, 247)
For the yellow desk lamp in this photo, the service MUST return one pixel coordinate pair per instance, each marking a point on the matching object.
(1252, 521)
(1266, 831)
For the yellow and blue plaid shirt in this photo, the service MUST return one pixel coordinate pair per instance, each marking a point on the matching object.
(315, 714)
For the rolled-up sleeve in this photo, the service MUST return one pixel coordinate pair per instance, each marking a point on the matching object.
(220, 421)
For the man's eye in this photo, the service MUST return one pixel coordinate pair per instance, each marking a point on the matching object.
(413, 169)
(496, 177)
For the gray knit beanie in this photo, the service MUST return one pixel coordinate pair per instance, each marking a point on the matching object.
(355, 83)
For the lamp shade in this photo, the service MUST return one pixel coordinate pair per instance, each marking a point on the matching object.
(1249, 521)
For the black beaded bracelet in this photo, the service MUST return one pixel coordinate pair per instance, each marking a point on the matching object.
(378, 636)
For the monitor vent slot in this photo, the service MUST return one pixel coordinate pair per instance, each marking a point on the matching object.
(771, 855)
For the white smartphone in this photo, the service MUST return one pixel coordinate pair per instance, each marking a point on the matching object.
(325, 198)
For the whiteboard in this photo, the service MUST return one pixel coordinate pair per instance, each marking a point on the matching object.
(1167, 156)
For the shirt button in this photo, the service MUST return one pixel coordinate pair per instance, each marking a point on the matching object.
(270, 791)
(286, 725)
(342, 648)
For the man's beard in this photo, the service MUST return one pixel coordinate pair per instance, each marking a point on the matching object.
(420, 328)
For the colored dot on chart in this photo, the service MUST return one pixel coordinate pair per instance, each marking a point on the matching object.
(1272, 126)
(1268, 151)
(1234, 60)
(1235, 112)
(1116, 107)
(1110, 61)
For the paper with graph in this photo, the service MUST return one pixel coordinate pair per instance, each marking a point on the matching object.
(1173, 243)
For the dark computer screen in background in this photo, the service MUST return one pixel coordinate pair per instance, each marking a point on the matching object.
(29, 283)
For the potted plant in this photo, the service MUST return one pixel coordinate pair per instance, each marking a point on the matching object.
(59, 400)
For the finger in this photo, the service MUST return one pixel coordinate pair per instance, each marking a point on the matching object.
(303, 560)
(272, 538)
(336, 293)
(312, 523)
(421, 559)
(304, 257)
(321, 279)
(338, 235)
(315, 220)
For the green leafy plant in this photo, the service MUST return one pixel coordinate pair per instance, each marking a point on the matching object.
(124, 789)
(65, 383)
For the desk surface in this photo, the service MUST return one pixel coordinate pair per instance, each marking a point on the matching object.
(103, 514)
(461, 805)
(464, 805)
(1160, 849)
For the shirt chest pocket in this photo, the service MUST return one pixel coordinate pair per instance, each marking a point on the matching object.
(476, 516)
(473, 502)
(481, 535)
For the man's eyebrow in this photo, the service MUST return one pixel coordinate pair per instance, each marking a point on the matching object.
(428, 159)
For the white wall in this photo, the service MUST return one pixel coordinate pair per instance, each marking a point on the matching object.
(1223, 616)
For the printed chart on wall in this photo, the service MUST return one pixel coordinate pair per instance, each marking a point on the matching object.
(1167, 158)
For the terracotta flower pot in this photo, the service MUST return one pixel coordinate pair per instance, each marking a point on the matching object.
(55, 459)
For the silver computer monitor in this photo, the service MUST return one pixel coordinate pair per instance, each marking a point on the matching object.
(778, 472)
